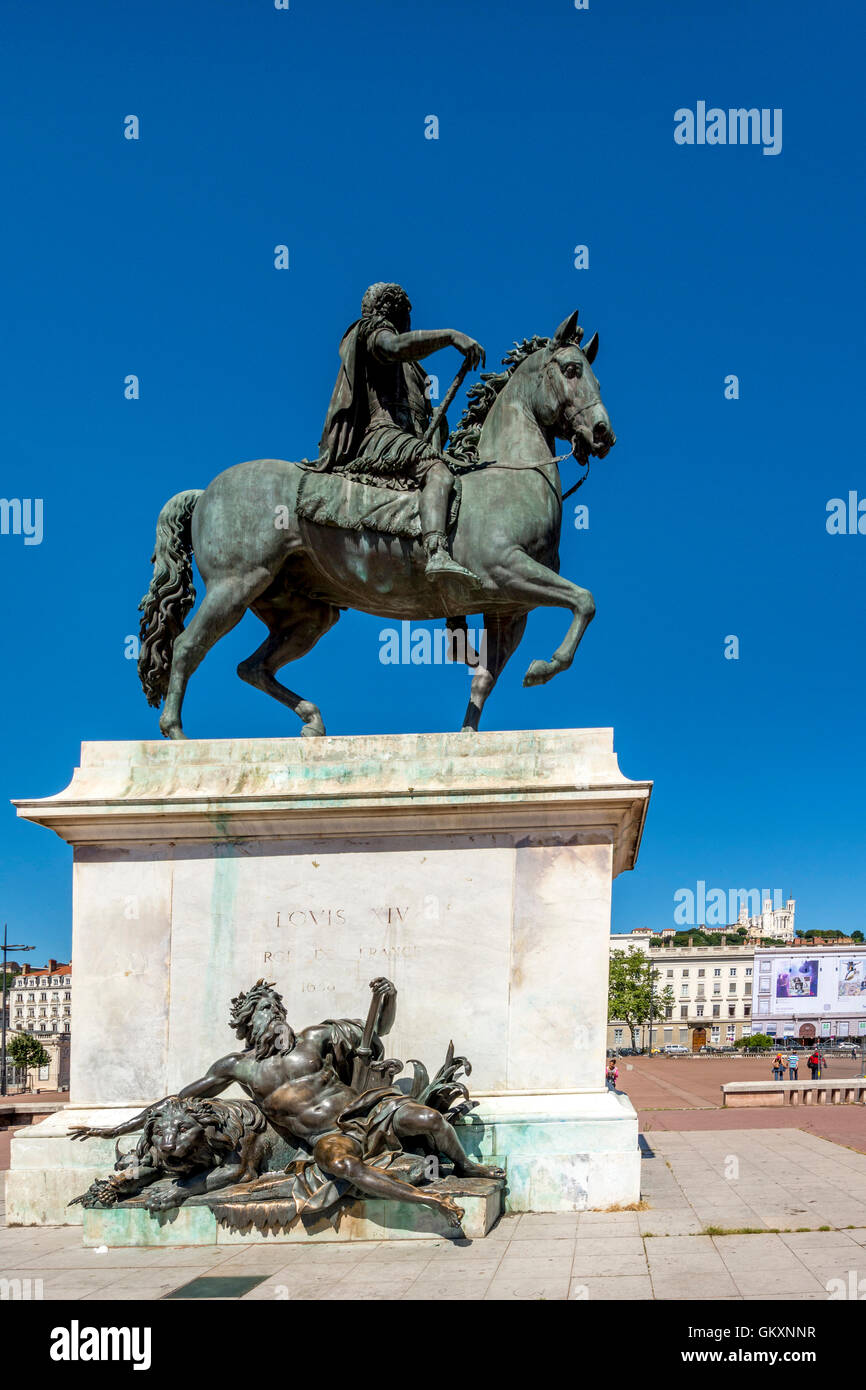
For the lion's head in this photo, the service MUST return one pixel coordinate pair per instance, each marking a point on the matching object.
(184, 1135)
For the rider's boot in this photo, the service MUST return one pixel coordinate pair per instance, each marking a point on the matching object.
(433, 510)
(440, 563)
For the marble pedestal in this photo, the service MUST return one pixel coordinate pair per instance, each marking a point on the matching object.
(474, 871)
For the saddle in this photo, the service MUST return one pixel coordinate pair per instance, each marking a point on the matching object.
(334, 499)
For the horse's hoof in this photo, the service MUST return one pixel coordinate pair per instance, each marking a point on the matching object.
(172, 731)
(540, 672)
(315, 729)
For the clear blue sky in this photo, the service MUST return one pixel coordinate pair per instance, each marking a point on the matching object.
(306, 127)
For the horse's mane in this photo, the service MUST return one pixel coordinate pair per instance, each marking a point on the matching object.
(463, 440)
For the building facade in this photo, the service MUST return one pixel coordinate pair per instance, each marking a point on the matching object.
(40, 1003)
(713, 994)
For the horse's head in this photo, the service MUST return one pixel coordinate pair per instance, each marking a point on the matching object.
(567, 399)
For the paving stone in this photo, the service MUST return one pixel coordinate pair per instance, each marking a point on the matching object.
(625, 1288)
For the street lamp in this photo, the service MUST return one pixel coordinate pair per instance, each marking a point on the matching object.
(6, 949)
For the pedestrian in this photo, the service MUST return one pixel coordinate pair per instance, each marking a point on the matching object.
(814, 1065)
(793, 1064)
(777, 1066)
(612, 1074)
(822, 1061)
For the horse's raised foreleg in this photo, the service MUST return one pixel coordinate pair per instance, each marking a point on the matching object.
(293, 632)
(501, 636)
(534, 584)
(221, 609)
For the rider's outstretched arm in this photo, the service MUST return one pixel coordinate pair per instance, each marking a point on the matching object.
(418, 343)
(412, 346)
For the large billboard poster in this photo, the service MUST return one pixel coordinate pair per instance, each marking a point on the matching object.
(795, 986)
(852, 982)
(795, 979)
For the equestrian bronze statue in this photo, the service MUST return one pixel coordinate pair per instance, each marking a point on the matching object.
(392, 518)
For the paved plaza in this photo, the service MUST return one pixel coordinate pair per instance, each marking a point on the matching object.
(675, 1093)
(741, 1214)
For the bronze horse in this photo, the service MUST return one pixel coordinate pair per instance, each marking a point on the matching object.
(296, 576)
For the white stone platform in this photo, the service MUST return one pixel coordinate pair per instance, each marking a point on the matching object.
(473, 870)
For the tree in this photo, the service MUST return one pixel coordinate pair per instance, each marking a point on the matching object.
(631, 987)
(26, 1051)
(756, 1040)
(857, 935)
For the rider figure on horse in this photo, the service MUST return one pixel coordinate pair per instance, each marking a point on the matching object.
(379, 416)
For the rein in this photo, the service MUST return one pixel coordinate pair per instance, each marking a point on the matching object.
(534, 467)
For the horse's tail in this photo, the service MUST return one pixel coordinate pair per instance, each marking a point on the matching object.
(170, 597)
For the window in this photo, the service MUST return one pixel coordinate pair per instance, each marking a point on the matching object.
(700, 1011)
(684, 1012)
(717, 986)
(747, 1009)
(732, 1011)
(732, 987)
(669, 1035)
(684, 987)
(685, 974)
(732, 1032)
(733, 970)
(701, 974)
(717, 972)
(617, 1035)
(670, 974)
(748, 971)
(715, 1011)
(669, 1013)
(715, 1035)
(748, 989)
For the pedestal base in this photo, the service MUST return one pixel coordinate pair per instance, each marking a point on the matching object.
(567, 1152)
(480, 1198)
(474, 871)
(572, 1152)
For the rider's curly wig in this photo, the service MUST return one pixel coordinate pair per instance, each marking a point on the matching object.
(385, 299)
(268, 1038)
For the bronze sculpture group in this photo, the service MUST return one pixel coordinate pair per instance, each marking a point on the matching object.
(393, 518)
(328, 1091)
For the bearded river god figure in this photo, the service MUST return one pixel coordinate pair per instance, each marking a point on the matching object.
(394, 518)
(328, 1092)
